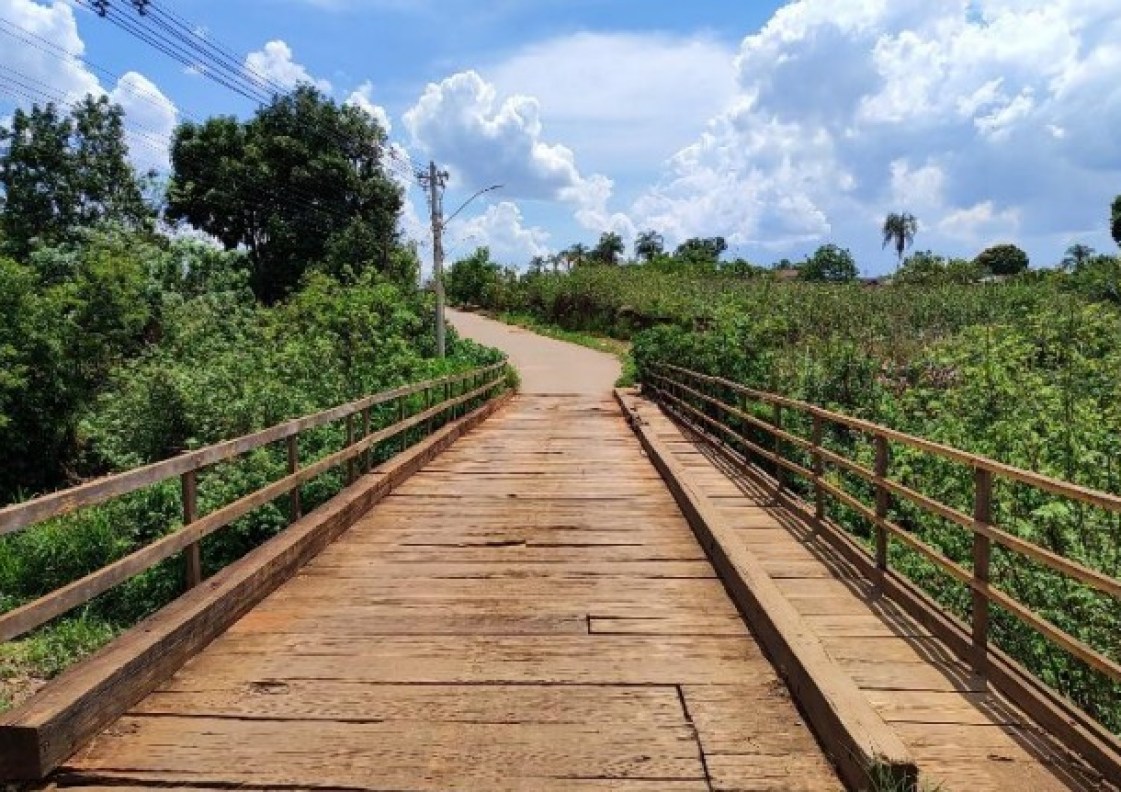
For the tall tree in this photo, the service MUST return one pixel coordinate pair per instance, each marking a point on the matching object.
(1077, 255)
(1115, 220)
(899, 231)
(107, 185)
(829, 264)
(1003, 260)
(701, 250)
(61, 173)
(648, 245)
(609, 248)
(575, 256)
(37, 174)
(301, 181)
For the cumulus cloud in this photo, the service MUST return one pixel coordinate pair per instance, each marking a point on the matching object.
(503, 229)
(622, 100)
(363, 98)
(150, 117)
(484, 140)
(988, 118)
(53, 72)
(274, 63)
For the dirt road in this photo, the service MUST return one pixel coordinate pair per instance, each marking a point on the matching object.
(547, 366)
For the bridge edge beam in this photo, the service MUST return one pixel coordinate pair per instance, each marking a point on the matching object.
(865, 749)
(40, 735)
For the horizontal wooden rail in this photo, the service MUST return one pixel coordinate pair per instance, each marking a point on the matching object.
(684, 391)
(38, 612)
(21, 515)
(1092, 497)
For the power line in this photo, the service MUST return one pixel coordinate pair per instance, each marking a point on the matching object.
(48, 47)
(19, 84)
(47, 91)
(176, 38)
(220, 69)
(169, 48)
(206, 44)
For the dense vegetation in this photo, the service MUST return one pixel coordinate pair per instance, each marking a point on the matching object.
(121, 343)
(1019, 368)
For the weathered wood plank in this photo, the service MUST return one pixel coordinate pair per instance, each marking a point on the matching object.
(478, 642)
(35, 737)
(854, 734)
(500, 756)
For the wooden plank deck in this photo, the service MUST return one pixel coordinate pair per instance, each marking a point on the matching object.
(530, 612)
(963, 736)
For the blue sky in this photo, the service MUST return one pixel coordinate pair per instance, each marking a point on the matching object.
(781, 126)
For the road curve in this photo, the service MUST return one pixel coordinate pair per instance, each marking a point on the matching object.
(548, 367)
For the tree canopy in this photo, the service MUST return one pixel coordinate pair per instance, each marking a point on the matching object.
(700, 250)
(648, 245)
(474, 279)
(609, 248)
(829, 264)
(303, 179)
(60, 173)
(1003, 260)
(899, 231)
(1115, 220)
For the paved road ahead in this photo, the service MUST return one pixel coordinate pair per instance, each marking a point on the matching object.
(548, 367)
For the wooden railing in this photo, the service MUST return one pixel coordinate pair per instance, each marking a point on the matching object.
(454, 394)
(704, 401)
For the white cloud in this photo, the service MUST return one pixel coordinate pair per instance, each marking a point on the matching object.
(274, 63)
(622, 100)
(987, 118)
(151, 117)
(49, 75)
(484, 141)
(980, 224)
(503, 229)
(42, 68)
(363, 98)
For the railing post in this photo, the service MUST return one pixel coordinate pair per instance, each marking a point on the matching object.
(819, 471)
(350, 442)
(367, 456)
(883, 501)
(780, 471)
(295, 510)
(400, 418)
(191, 554)
(982, 547)
(427, 407)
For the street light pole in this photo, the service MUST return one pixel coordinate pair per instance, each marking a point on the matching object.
(436, 180)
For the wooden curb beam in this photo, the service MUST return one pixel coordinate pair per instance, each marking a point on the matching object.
(864, 748)
(38, 736)
(1075, 728)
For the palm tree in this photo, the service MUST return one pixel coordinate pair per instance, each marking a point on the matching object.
(899, 230)
(609, 249)
(649, 244)
(1077, 255)
(576, 255)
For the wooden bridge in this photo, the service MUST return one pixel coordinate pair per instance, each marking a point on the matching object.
(572, 589)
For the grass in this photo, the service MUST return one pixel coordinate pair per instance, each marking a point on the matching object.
(612, 346)
(27, 664)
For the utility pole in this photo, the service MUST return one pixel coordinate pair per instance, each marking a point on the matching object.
(435, 180)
